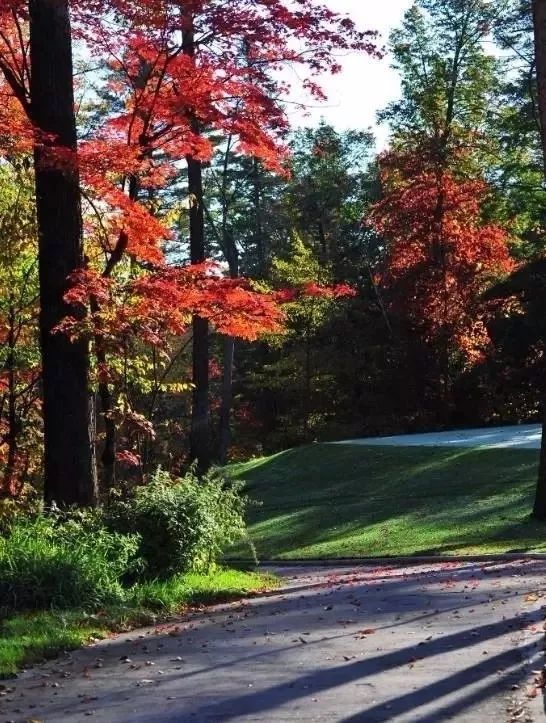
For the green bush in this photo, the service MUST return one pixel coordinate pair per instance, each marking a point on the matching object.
(183, 524)
(49, 561)
(28, 504)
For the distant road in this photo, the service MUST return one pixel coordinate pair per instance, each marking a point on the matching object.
(526, 436)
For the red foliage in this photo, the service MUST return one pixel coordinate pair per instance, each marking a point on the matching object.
(440, 255)
(167, 94)
(177, 74)
(156, 306)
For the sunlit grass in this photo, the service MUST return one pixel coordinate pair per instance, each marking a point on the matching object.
(32, 637)
(328, 501)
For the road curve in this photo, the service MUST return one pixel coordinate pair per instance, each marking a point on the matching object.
(446, 641)
(522, 436)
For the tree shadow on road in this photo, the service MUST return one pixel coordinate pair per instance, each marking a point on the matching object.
(277, 626)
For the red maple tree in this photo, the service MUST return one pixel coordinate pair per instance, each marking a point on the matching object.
(170, 76)
(439, 254)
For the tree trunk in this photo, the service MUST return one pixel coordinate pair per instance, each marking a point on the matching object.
(258, 224)
(13, 426)
(539, 20)
(200, 448)
(539, 507)
(108, 455)
(69, 471)
(224, 436)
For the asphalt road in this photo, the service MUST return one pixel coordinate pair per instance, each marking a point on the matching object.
(524, 436)
(450, 641)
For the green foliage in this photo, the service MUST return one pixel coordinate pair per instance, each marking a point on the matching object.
(183, 524)
(50, 562)
(27, 504)
(31, 637)
(449, 81)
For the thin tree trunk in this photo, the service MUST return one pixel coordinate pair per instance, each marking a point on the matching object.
(258, 224)
(539, 19)
(200, 449)
(107, 476)
(224, 436)
(109, 448)
(13, 431)
(69, 471)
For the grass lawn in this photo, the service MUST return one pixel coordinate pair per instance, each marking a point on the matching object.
(29, 638)
(325, 501)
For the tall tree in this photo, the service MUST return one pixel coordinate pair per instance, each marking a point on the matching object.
(200, 444)
(69, 470)
(441, 123)
(539, 22)
(163, 102)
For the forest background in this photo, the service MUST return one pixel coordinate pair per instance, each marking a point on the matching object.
(334, 290)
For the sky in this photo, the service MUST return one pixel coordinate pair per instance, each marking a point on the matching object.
(366, 85)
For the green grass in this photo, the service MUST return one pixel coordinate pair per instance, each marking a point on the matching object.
(30, 638)
(327, 501)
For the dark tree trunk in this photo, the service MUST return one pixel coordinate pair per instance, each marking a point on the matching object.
(200, 448)
(69, 470)
(258, 224)
(107, 476)
(224, 430)
(539, 508)
(13, 426)
(539, 19)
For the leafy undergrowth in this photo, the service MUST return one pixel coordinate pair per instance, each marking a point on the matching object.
(31, 637)
(328, 501)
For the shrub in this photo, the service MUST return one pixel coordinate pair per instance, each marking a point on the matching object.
(54, 562)
(28, 504)
(183, 524)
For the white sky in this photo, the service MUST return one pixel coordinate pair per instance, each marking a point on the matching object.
(365, 85)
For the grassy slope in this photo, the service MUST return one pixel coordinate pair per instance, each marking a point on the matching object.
(339, 501)
(29, 638)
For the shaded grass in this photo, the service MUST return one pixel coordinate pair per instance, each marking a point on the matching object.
(327, 501)
(30, 638)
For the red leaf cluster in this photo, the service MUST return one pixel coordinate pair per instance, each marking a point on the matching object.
(156, 306)
(440, 255)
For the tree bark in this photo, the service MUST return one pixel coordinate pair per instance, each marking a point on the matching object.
(224, 429)
(13, 426)
(69, 470)
(200, 448)
(258, 223)
(539, 22)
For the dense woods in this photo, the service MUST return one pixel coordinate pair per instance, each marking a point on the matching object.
(187, 278)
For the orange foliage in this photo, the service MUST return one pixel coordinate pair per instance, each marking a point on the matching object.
(440, 254)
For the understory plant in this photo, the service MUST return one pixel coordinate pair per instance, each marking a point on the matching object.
(183, 524)
(50, 561)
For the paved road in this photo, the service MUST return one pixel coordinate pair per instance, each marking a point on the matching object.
(526, 436)
(450, 641)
